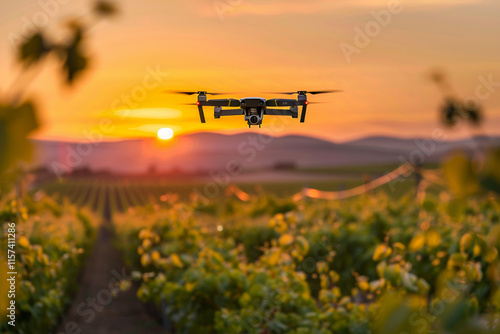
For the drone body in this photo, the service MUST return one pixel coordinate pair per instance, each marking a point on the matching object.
(254, 108)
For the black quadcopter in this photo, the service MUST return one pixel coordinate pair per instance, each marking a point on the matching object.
(254, 108)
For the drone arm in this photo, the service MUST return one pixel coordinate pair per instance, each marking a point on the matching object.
(278, 112)
(282, 103)
(232, 112)
(293, 111)
(218, 112)
(222, 103)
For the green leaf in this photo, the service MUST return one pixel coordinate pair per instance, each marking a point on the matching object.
(395, 315)
(490, 177)
(460, 176)
(454, 316)
(15, 124)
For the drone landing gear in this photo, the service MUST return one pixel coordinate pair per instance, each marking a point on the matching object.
(303, 114)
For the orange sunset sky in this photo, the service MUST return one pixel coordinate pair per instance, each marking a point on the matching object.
(254, 46)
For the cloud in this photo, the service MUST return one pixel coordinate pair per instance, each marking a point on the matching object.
(223, 8)
(150, 113)
(153, 128)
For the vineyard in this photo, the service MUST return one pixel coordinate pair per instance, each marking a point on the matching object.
(264, 262)
(366, 265)
(52, 246)
(99, 195)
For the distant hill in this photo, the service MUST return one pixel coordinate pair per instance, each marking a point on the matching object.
(211, 152)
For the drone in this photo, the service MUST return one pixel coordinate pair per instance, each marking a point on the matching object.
(254, 108)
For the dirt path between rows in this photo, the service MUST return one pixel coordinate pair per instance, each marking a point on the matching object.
(95, 310)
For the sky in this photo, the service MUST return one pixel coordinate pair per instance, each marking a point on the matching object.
(380, 53)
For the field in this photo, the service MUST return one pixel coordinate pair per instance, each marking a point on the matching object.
(257, 259)
(119, 194)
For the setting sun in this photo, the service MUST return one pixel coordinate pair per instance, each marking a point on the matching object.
(165, 133)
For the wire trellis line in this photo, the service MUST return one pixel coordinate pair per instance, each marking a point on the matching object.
(343, 194)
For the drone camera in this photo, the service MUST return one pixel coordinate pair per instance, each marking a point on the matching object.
(254, 120)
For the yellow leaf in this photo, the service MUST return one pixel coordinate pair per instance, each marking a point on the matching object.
(190, 286)
(382, 251)
(146, 244)
(477, 250)
(363, 285)
(155, 256)
(285, 240)
(417, 243)
(23, 242)
(176, 260)
(491, 254)
(144, 233)
(303, 245)
(398, 246)
(145, 260)
(281, 226)
(336, 292)
(466, 241)
(334, 277)
(321, 266)
(125, 285)
(433, 239)
(274, 258)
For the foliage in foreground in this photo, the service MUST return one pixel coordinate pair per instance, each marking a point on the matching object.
(52, 242)
(367, 265)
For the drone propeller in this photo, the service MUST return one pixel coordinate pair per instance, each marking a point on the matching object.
(314, 92)
(324, 92)
(192, 93)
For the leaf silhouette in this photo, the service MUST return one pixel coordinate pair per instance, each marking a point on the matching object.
(450, 113)
(105, 8)
(33, 49)
(473, 115)
(74, 60)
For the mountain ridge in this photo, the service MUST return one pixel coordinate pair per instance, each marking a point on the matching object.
(213, 151)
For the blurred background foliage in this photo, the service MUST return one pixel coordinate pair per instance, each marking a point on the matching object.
(18, 114)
